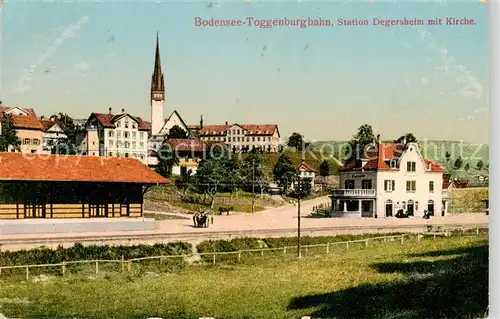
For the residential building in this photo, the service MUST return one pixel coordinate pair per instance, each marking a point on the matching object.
(305, 171)
(390, 177)
(114, 135)
(27, 126)
(49, 186)
(243, 137)
(451, 183)
(189, 152)
(53, 134)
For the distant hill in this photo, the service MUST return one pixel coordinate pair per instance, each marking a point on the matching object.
(313, 158)
(436, 150)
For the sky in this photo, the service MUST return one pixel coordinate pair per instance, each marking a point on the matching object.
(323, 82)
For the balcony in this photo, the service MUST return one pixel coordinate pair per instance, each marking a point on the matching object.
(354, 193)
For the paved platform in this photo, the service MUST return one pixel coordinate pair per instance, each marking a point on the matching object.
(76, 225)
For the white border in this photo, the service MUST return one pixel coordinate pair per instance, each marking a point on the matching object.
(494, 187)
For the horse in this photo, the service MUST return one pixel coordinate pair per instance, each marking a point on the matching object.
(225, 209)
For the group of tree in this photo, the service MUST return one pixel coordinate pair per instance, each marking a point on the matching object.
(67, 145)
(297, 141)
(458, 163)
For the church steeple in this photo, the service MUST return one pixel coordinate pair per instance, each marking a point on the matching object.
(157, 93)
(157, 84)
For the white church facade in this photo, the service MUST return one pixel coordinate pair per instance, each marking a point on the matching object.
(390, 177)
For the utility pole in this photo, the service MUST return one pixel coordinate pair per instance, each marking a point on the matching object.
(298, 214)
(253, 183)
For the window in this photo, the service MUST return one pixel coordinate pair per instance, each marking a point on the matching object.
(411, 186)
(36, 141)
(133, 144)
(431, 186)
(33, 151)
(258, 138)
(126, 134)
(26, 141)
(248, 139)
(142, 135)
(141, 144)
(110, 154)
(389, 185)
(118, 133)
(411, 166)
(366, 184)
(253, 138)
(142, 157)
(93, 143)
(133, 125)
(110, 134)
(118, 144)
(133, 134)
(126, 154)
(117, 124)
(110, 143)
(127, 144)
(349, 184)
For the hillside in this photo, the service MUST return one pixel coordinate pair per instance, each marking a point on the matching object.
(314, 159)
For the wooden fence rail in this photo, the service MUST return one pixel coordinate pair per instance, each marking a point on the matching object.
(238, 253)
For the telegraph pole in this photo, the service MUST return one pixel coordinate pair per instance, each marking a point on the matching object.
(298, 217)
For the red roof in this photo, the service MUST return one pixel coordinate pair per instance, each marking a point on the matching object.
(108, 120)
(71, 168)
(30, 111)
(378, 157)
(306, 167)
(189, 144)
(47, 124)
(26, 122)
(250, 129)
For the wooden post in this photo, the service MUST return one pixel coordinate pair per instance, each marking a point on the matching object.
(262, 252)
(402, 239)
(214, 258)
(284, 250)
(347, 245)
(96, 267)
(129, 266)
(477, 231)
(366, 243)
(27, 272)
(434, 236)
(123, 265)
(239, 256)
(327, 248)
(161, 260)
(63, 270)
(418, 237)
(306, 251)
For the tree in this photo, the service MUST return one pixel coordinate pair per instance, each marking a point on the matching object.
(447, 156)
(480, 165)
(8, 137)
(324, 168)
(166, 159)
(357, 145)
(296, 140)
(68, 145)
(177, 132)
(467, 167)
(458, 163)
(253, 172)
(410, 138)
(284, 172)
(212, 175)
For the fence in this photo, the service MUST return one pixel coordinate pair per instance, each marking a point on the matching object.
(234, 256)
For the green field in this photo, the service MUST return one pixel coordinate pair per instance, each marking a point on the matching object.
(428, 279)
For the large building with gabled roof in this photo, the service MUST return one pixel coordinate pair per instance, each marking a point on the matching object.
(390, 177)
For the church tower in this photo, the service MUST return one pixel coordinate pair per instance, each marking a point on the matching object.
(157, 93)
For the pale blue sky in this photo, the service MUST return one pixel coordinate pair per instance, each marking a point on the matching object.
(321, 82)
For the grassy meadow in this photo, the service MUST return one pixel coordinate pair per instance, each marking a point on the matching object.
(440, 278)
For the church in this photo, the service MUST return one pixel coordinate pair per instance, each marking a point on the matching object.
(237, 137)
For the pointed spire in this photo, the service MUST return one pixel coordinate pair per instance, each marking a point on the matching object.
(157, 84)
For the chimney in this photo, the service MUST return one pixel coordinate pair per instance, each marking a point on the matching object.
(110, 110)
(404, 140)
(378, 138)
(123, 110)
(0, 103)
(42, 117)
(201, 121)
(226, 122)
